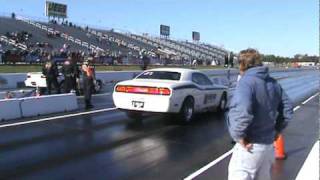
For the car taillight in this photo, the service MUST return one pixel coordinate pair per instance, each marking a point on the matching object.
(164, 91)
(143, 90)
(120, 89)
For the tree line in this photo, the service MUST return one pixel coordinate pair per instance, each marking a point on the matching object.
(296, 58)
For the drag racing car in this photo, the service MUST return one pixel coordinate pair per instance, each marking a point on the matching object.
(38, 80)
(177, 91)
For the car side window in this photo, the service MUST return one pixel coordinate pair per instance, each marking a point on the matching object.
(201, 79)
(206, 80)
(216, 81)
(195, 78)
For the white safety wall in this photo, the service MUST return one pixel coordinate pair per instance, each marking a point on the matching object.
(9, 109)
(11, 80)
(16, 94)
(34, 106)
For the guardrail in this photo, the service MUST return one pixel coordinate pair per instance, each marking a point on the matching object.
(37, 105)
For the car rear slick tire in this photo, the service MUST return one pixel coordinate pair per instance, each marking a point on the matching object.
(136, 116)
(223, 103)
(98, 87)
(187, 110)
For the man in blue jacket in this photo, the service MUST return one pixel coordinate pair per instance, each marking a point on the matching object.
(259, 110)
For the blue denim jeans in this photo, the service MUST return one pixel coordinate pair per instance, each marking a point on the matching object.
(251, 165)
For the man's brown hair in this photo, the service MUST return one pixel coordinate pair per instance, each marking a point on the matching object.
(249, 58)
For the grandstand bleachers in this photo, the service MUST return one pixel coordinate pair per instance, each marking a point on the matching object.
(13, 25)
(108, 42)
(81, 34)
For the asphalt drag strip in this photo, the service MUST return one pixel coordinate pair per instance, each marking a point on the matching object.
(108, 145)
(118, 150)
(300, 136)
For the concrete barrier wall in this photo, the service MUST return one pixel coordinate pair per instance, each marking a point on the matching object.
(10, 109)
(16, 94)
(11, 80)
(34, 106)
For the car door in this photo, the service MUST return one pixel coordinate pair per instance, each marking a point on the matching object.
(201, 94)
(210, 92)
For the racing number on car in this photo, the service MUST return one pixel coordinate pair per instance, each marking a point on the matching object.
(209, 98)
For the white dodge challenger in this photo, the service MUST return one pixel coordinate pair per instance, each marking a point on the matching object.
(37, 79)
(170, 90)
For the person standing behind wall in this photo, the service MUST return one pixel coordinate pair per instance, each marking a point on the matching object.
(226, 60)
(77, 72)
(145, 62)
(50, 71)
(69, 72)
(253, 119)
(89, 79)
(231, 56)
(1, 53)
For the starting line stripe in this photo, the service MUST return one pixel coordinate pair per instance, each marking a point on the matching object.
(216, 161)
(57, 117)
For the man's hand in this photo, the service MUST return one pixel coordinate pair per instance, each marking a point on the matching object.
(244, 143)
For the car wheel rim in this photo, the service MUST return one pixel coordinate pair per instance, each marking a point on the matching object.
(188, 113)
(97, 87)
(223, 104)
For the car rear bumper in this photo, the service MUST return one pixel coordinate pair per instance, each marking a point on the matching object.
(144, 103)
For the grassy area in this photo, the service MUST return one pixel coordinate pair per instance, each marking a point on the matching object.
(19, 68)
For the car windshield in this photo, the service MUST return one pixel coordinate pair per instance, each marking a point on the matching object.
(161, 75)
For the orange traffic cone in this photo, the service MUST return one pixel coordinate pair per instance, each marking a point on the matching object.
(279, 148)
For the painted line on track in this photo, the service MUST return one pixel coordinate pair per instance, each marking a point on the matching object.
(310, 167)
(223, 156)
(296, 108)
(58, 117)
(306, 101)
(195, 174)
